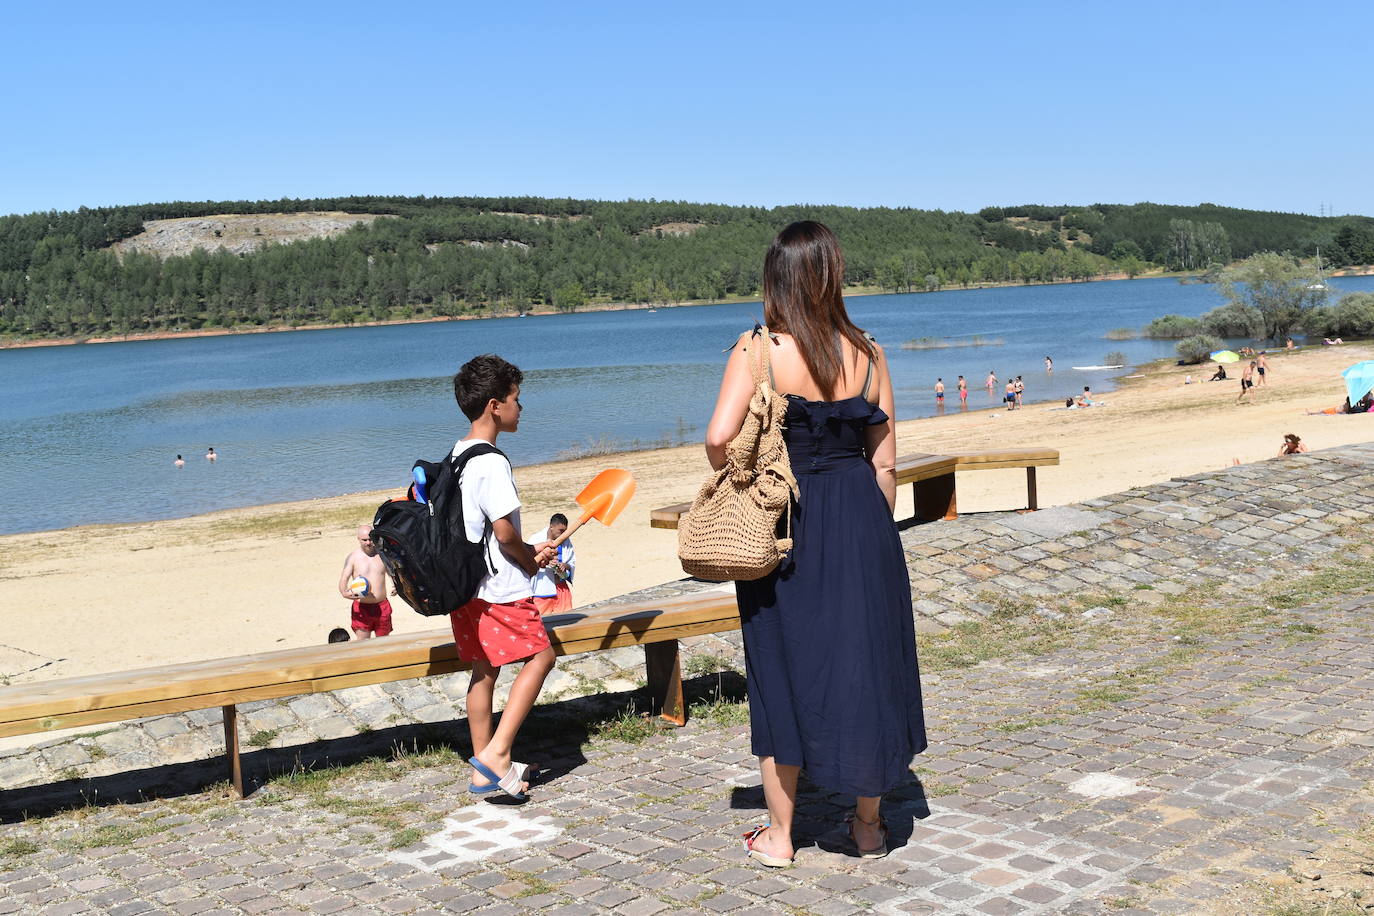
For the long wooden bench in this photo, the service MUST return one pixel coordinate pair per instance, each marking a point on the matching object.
(48, 706)
(934, 496)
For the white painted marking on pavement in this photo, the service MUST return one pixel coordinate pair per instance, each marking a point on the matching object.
(1104, 785)
(474, 834)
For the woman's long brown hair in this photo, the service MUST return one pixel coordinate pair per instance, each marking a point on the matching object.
(803, 274)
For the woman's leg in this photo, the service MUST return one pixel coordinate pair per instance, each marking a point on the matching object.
(780, 794)
(867, 832)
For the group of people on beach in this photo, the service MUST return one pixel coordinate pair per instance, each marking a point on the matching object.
(363, 581)
(829, 641)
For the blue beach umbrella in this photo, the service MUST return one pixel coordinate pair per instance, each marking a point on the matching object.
(1226, 356)
(1359, 378)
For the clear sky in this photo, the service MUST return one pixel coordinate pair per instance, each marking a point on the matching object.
(950, 105)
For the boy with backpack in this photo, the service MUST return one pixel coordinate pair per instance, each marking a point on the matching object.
(501, 624)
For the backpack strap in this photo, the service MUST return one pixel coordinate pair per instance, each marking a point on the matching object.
(458, 463)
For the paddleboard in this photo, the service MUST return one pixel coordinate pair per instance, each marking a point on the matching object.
(1086, 368)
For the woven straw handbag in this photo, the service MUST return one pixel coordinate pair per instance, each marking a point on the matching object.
(731, 531)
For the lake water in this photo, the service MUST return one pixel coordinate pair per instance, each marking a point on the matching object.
(88, 433)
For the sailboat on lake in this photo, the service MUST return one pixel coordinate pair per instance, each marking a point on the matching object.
(1319, 284)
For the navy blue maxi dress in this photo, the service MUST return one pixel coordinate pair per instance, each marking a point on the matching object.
(829, 639)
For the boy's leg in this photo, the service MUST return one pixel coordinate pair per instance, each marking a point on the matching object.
(496, 751)
(481, 689)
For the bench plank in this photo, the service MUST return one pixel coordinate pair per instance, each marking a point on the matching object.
(110, 697)
(667, 517)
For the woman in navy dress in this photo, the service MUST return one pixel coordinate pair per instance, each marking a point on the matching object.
(829, 639)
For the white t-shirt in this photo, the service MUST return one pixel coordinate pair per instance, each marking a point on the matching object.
(488, 488)
(545, 584)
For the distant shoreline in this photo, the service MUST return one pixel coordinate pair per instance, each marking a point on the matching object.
(849, 292)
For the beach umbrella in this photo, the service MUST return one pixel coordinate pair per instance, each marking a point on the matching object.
(1359, 378)
(1226, 356)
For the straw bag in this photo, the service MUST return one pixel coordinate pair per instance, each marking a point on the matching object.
(731, 531)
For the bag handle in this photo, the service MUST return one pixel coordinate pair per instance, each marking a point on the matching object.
(764, 364)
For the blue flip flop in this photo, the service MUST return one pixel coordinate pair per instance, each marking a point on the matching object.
(509, 784)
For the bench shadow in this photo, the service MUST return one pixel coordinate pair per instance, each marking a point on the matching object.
(554, 736)
(819, 818)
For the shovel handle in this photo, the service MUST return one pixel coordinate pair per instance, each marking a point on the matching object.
(558, 541)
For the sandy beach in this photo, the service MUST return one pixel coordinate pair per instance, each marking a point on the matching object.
(111, 597)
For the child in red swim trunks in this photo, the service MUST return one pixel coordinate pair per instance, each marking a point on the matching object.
(553, 585)
(501, 624)
(371, 611)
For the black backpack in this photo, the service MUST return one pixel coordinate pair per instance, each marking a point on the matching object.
(425, 545)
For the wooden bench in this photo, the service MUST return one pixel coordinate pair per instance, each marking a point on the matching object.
(48, 706)
(932, 480)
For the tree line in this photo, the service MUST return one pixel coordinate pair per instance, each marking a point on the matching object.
(60, 275)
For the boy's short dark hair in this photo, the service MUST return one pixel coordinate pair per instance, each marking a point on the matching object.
(339, 634)
(558, 518)
(481, 379)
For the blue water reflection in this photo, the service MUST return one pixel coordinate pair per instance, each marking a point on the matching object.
(88, 434)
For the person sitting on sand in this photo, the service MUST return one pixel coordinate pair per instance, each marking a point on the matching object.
(1289, 345)
(1292, 445)
(1219, 375)
(339, 634)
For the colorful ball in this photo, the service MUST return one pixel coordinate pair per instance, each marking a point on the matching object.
(360, 585)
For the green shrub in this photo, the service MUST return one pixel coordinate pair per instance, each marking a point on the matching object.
(1352, 316)
(1115, 358)
(1173, 327)
(1235, 319)
(1198, 347)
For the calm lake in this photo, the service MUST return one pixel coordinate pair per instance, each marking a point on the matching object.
(89, 433)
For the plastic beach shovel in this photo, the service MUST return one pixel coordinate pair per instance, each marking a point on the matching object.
(602, 499)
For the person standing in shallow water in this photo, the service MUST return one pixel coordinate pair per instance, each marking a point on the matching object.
(829, 638)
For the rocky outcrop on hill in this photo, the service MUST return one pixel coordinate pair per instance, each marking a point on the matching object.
(237, 233)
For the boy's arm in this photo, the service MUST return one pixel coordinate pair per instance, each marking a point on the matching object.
(514, 546)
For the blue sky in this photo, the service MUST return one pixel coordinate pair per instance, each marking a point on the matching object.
(931, 105)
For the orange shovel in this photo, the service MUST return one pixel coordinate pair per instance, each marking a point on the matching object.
(602, 499)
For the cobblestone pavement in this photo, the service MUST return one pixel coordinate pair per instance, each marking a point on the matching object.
(1137, 704)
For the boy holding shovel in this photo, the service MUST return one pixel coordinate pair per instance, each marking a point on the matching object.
(501, 624)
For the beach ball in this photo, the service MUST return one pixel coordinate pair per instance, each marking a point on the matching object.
(359, 584)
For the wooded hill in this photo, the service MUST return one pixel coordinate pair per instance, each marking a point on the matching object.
(60, 274)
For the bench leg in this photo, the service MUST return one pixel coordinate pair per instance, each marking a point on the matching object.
(664, 674)
(1031, 502)
(934, 499)
(231, 747)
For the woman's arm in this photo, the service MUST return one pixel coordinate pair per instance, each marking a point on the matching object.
(881, 440)
(736, 388)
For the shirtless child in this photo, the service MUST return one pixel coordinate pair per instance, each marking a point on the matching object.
(371, 610)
